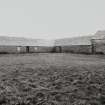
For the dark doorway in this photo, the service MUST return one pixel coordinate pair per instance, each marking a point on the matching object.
(27, 49)
(58, 49)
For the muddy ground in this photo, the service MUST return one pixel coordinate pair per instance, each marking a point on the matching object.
(52, 79)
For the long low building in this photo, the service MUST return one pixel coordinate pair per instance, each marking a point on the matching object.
(85, 49)
(24, 45)
(74, 45)
(12, 49)
(25, 49)
(83, 44)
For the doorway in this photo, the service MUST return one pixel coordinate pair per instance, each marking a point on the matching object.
(58, 49)
(27, 49)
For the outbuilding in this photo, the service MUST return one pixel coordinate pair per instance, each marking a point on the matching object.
(24, 45)
(74, 45)
(4, 49)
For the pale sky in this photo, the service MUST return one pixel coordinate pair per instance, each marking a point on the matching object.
(51, 18)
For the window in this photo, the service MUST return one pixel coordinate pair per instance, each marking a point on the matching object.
(36, 48)
(18, 49)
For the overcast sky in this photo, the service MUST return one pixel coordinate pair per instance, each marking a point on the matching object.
(51, 18)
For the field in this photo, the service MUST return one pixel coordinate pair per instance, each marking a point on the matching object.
(52, 79)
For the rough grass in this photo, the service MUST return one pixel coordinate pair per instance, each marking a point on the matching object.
(52, 79)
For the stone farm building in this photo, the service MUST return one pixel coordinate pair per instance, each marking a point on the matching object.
(83, 44)
(74, 45)
(23, 45)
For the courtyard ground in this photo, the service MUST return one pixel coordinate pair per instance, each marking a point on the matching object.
(52, 79)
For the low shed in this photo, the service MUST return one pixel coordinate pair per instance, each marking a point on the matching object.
(24, 45)
(74, 45)
(85, 49)
(12, 49)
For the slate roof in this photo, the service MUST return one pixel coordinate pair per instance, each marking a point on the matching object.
(83, 40)
(14, 41)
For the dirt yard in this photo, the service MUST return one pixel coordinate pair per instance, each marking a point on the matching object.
(52, 79)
